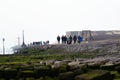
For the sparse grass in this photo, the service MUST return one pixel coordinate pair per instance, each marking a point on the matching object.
(41, 56)
(30, 55)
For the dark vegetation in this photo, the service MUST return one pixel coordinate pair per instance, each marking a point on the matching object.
(30, 64)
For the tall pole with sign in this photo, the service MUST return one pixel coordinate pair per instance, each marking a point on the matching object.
(23, 44)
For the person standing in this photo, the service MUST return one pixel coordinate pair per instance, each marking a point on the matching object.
(58, 39)
(74, 38)
(70, 39)
(79, 39)
(62, 38)
(65, 39)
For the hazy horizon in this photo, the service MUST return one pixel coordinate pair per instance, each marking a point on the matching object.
(43, 20)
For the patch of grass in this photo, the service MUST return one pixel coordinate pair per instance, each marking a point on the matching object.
(42, 56)
(116, 75)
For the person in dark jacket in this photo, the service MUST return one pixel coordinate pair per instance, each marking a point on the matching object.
(65, 39)
(74, 38)
(62, 39)
(80, 39)
(70, 39)
(58, 39)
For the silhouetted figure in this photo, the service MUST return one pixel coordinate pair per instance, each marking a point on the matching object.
(62, 39)
(80, 39)
(70, 39)
(74, 38)
(58, 39)
(65, 39)
(47, 42)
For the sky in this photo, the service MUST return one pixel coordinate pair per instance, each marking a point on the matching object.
(43, 20)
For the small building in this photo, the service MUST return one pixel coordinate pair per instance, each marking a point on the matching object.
(86, 34)
(89, 35)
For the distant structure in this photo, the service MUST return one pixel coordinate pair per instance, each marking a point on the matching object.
(18, 47)
(89, 35)
(86, 34)
(23, 44)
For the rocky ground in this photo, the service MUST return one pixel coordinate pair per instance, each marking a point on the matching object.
(107, 50)
(107, 57)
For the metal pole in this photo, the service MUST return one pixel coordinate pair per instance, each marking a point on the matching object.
(3, 46)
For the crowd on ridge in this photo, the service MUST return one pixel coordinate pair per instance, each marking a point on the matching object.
(69, 39)
(63, 39)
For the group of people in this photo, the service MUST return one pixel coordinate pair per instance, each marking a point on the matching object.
(69, 39)
(39, 43)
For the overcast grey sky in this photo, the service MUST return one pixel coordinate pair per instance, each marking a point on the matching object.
(45, 19)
